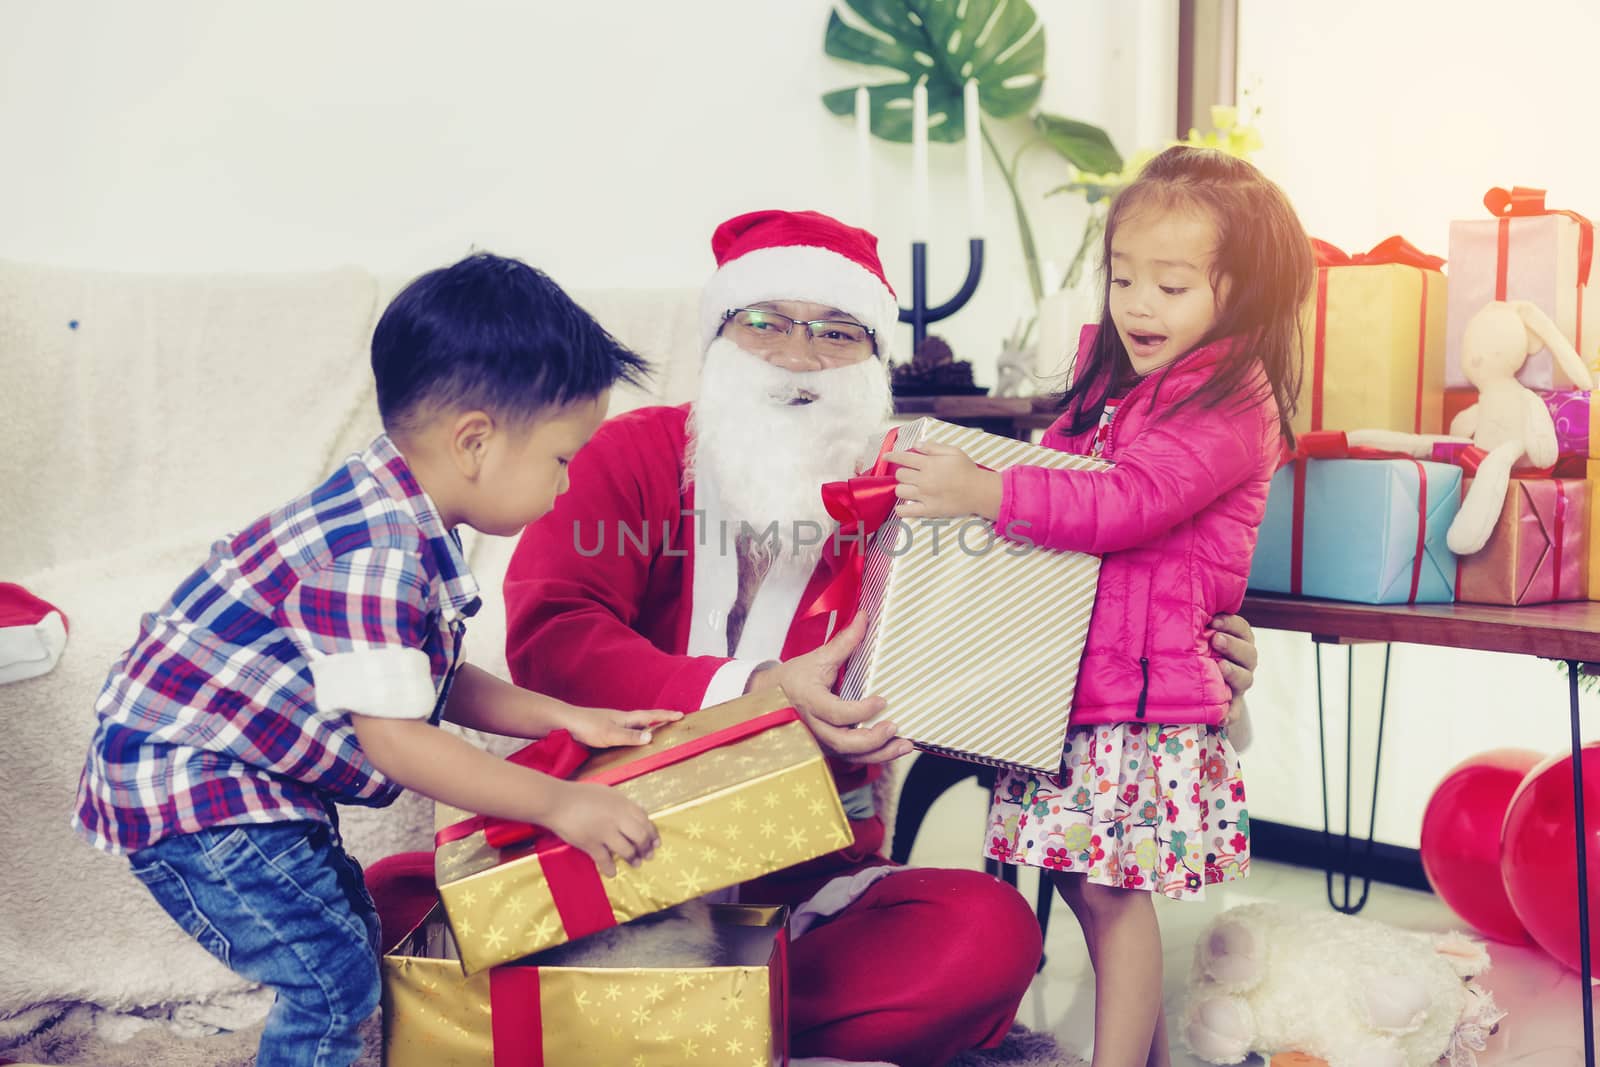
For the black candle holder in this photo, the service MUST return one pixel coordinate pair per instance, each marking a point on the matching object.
(919, 314)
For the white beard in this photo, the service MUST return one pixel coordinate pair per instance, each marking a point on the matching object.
(769, 456)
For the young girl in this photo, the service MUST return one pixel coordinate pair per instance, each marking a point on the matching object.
(1186, 386)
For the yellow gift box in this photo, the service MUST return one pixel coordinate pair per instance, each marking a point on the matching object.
(728, 1015)
(1373, 335)
(736, 791)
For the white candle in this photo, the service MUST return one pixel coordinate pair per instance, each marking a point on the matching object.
(864, 157)
(969, 106)
(919, 162)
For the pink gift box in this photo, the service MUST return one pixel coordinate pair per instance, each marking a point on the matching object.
(1539, 551)
(1528, 254)
(1575, 415)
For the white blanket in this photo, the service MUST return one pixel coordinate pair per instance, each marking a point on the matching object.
(140, 418)
(143, 417)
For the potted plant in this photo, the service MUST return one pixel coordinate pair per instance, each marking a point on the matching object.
(1000, 44)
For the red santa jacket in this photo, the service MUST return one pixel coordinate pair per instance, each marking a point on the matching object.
(599, 592)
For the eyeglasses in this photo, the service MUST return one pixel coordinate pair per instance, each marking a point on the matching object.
(835, 339)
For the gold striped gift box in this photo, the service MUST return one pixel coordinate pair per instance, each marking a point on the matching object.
(974, 640)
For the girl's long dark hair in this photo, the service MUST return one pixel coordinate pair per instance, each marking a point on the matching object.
(1265, 258)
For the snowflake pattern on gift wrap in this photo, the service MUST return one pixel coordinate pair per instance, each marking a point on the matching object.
(1138, 806)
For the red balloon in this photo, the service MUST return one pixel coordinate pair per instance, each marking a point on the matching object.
(1461, 839)
(1538, 855)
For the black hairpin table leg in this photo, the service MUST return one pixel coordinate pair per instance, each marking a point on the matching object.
(1344, 903)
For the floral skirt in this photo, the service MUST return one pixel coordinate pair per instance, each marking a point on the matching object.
(1141, 806)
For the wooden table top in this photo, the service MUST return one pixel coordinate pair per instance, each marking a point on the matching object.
(1567, 631)
(1027, 411)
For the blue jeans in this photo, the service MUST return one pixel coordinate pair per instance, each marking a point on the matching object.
(283, 904)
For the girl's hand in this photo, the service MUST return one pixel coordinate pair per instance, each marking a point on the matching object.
(1235, 642)
(939, 481)
(608, 728)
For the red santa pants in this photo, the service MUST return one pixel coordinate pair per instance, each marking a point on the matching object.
(925, 965)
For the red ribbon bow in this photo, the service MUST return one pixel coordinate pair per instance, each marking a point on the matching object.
(1394, 249)
(861, 505)
(1332, 444)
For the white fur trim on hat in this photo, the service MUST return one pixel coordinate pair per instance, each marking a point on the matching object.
(800, 272)
(28, 651)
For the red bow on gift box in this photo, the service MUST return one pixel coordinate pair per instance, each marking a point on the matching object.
(1333, 444)
(861, 505)
(1394, 249)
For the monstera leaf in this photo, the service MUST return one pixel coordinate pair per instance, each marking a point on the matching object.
(1000, 43)
(1086, 147)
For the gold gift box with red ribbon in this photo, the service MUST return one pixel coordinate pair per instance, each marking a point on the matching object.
(731, 1014)
(736, 791)
(1374, 332)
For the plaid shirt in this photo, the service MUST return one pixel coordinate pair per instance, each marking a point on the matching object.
(232, 705)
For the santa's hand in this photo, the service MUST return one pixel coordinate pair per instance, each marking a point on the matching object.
(609, 728)
(808, 682)
(939, 481)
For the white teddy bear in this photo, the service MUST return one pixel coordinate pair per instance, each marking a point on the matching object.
(1354, 992)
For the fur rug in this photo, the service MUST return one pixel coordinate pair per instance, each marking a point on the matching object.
(77, 1041)
(77, 1037)
(1021, 1048)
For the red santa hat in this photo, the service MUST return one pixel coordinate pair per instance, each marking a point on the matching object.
(798, 255)
(32, 634)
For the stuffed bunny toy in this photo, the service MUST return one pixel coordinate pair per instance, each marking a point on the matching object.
(1509, 421)
(1352, 991)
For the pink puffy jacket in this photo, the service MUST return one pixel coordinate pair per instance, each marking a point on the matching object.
(1175, 522)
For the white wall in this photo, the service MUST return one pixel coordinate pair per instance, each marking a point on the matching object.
(1381, 118)
(602, 141)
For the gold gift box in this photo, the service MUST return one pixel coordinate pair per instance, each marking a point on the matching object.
(1375, 361)
(743, 807)
(729, 1014)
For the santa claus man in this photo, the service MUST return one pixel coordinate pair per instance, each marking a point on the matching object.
(674, 574)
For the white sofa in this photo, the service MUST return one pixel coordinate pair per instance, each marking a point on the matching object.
(142, 417)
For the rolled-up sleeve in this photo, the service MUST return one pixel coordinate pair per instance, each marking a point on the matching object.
(361, 620)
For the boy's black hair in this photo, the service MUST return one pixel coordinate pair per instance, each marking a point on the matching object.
(493, 334)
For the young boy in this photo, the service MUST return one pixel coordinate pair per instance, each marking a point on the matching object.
(309, 661)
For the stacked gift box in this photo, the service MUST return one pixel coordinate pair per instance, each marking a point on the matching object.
(727, 1011)
(1383, 338)
(735, 791)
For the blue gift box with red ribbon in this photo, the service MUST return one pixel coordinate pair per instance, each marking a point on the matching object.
(1370, 529)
